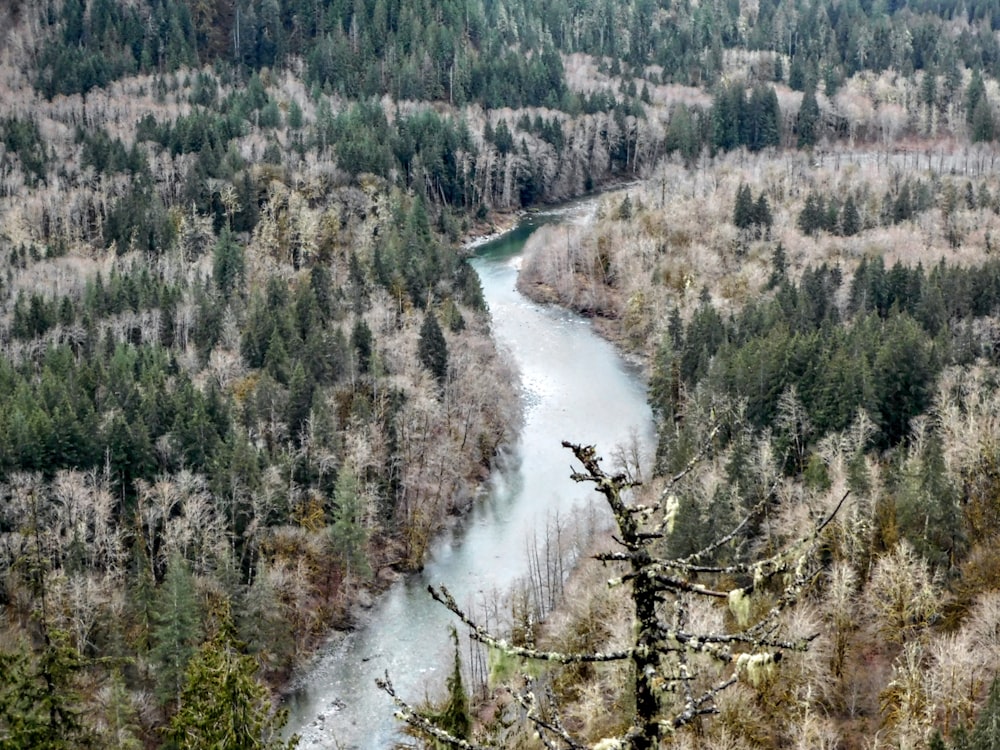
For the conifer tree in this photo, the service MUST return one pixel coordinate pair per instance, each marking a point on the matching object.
(39, 700)
(982, 125)
(975, 94)
(175, 632)
(762, 218)
(850, 219)
(743, 211)
(347, 533)
(455, 717)
(432, 348)
(986, 733)
(223, 704)
(808, 119)
(228, 263)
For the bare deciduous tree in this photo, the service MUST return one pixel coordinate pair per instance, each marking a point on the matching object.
(679, 666)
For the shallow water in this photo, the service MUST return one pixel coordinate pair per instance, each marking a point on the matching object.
(574, 387)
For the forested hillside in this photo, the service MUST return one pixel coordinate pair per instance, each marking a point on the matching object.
(246, 372)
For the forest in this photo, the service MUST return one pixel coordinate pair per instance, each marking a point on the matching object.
(247, 373)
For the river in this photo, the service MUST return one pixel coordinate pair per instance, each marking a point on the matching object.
(574, 387)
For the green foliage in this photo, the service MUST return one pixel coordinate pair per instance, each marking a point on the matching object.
(807, 124)
(927, 505)
(40, 702)
(814, 216)
(432, 349)
(21, 138)
(455, 718)
(362, 342)
(739, 120)
(883, 358)
(750, 214)
(228, 265)
(850, 218)
(743, 213)
(223, 704)
(986, 733)
(347, 532)
(683, 133)
(176, 630)
(975, 95)
(982, 126)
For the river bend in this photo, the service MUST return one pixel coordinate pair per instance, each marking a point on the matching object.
(574, 387)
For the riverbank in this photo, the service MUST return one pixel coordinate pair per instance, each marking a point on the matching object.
(567, 266)
(499, 225)
(563, 367)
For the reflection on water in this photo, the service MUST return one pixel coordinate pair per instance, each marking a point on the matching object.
(575, 387)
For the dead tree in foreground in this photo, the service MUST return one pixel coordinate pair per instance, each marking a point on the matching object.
(667, 656)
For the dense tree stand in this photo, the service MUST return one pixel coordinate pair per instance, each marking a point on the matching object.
(678, 671)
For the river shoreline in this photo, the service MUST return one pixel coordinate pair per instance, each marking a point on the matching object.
(574, 385)
(367, 595)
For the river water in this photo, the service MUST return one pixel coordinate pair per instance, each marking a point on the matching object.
(574, 387)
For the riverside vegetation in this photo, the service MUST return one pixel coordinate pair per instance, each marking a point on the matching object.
(245, 372)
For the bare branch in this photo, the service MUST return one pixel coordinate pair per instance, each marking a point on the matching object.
(701, 706)
(406, 713)
(554, 726)
(479, 634)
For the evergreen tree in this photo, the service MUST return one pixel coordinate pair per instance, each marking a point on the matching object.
(813, 215)
(362, 342)
(975, 94)
(682, 134)
(432, 348)
(300, 398)
(40, 705)
(743, 211)
(764, 119)
(347, 533)
(227, 263)
(986, 733)
(982, 126)
(807, 123)
(850, 219)
(762, 218)
(175, 630)
(223, 704)
(728, 117)
(779, 265)
(455, 718)
(902, 207)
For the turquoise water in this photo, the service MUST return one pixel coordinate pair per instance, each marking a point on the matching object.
(574, 387)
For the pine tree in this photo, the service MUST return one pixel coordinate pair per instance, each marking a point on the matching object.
(812, 218)
(808, 119)
(682, 135)
(975, 94)
(986, 733)
(39, 701)
(223, 704)
(743, 211)
(175, 631)
(850, 219)
(361, 341)
(347, 533)
(982, 126)
(762, 218)
(432, 348)
(455, 718)
(779, 265)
